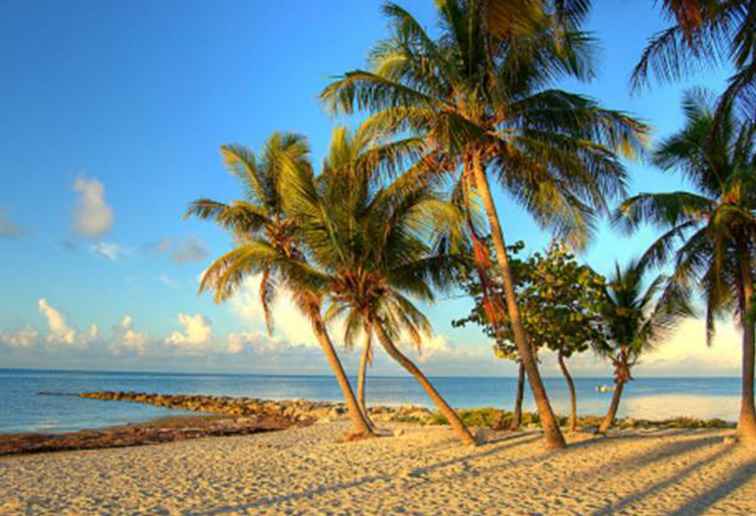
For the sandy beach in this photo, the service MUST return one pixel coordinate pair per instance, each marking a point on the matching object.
(421, 470)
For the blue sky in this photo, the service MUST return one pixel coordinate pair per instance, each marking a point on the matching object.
(113, 114)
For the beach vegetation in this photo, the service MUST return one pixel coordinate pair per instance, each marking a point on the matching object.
(486, 108)
(560, 306)
(710, 230)
(268, 243)
(635, 316)
(375, 244)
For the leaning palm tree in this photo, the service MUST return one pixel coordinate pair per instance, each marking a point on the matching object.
(267, 241)
(635, 319)
(710, 233)
(705, 32)
(485, 106)
(372, 245)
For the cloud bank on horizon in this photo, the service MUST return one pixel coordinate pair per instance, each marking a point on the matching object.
(195, 344)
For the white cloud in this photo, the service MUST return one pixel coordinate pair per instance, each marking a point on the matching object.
(126, 340)
(239, 342)
(435, 345)
(108, 250)
(685, 351)
(257, 342)
(290, 325)
(21, 339)
(59, 331)
(196, 333)
(93, 217)
(8, 228)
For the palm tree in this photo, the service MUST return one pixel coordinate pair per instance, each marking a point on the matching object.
(705, 32)
(709, 234)
(267, 241)
(372, 245)
(485, 107)
(635, 319)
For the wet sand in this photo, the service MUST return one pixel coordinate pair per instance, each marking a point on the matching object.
(422, 470)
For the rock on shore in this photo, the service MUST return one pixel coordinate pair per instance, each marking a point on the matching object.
(153, 432)
(297, 411)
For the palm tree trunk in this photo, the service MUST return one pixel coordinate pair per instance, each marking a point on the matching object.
(747, 420)
(360, 424)
(612, 414)
(552, 433)
(573, 396)
(517, 416)
(362, 380)
(454, 421)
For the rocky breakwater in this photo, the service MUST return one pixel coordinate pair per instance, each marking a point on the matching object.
(295, 411)
(177, 428)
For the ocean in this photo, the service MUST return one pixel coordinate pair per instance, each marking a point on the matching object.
(22, 409)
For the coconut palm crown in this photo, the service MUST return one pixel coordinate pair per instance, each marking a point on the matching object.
(268, 244)
(485, 105)
(709, 233)
(374, 246)
(705, 32)
(636, 317)
(259, 215)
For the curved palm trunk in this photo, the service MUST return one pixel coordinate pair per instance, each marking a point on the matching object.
(454, 421)
(612, 413)
(747, 420)
(517, 416)
(552, 433)
(360, 424)
(362, 380)
(573, 395)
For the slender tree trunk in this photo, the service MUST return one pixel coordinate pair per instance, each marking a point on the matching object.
(517, 416)
(747, 420)
(612, 414)
(573, 396)
(454, 421)
(360, 424)
(362, 379)
(552, 433)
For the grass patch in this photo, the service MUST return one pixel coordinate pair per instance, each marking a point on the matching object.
(488, 417)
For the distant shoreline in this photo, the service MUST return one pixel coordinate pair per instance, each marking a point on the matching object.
(227, 415)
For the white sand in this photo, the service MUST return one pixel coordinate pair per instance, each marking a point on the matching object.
(423, 470)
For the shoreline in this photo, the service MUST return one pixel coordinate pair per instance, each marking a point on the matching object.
(156, 431)
(224, 416)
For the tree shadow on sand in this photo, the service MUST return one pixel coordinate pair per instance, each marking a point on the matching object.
(267, 501)
(417, 473)
(500, 444)
(658, 487)
(734, 480)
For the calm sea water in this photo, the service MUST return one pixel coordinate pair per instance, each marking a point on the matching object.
(22, 409)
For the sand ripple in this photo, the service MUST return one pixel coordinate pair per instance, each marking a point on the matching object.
(422, 471)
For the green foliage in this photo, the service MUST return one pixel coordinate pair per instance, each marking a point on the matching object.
(257, 222)
(560, 303)
(486, 417)
(709, 231)
(500, 419)
(637, 316)
(372, 241)
(705, 32)
(469, 94)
